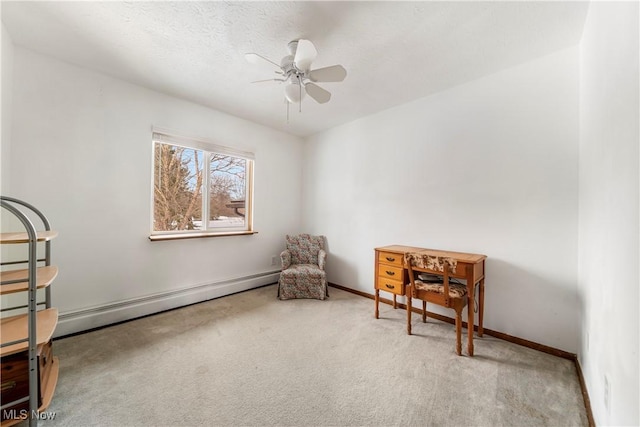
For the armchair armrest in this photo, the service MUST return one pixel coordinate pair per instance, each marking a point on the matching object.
(285, 259)
(322, 259)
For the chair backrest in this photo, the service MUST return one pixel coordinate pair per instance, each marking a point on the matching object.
(304, 248)
(443, 266)
(430, 263)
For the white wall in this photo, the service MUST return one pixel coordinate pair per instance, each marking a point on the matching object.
(486, 167)
(6, 107)
(7, 252)
(609, 219)
(81, 152)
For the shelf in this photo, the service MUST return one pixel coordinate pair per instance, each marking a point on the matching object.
(16, 327)
(44, 277)
(15, 330)
(23, 237)
(47, 393)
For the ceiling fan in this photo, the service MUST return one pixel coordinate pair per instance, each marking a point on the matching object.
(295, 71)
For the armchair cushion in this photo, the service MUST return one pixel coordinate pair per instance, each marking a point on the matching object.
(303, 281)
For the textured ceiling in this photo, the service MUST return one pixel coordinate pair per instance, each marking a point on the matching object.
(394, 52)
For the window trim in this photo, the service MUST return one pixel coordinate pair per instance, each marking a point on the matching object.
(208, 148)
(195, 235)
(199, 143)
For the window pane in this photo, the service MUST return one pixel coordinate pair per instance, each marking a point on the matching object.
(228, 188)
(177, 195)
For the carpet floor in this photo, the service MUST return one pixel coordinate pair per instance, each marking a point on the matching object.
(249, 359)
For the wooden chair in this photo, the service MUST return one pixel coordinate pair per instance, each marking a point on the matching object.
(441, 291)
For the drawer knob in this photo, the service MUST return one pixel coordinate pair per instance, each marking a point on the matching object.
(390, 273)
(390, 259)
(389, 286)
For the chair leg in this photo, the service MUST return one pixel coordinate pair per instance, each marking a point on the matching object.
(459, 332)
(408, 315)
(424, 311)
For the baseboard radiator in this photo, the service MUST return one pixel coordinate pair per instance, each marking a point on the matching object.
(72, 322)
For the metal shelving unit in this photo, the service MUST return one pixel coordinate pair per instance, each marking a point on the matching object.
(29, 332)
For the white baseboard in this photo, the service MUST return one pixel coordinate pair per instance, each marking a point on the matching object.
(72, 322)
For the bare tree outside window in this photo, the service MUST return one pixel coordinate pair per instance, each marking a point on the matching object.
(180, 181)
(177, 188)
(227, 190)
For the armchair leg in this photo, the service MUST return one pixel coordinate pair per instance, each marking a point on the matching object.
(424, 311)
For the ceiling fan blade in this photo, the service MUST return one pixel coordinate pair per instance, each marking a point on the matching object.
(335, 73)
(254, 58)
(268, 80)
(305, 54)
(316, 92)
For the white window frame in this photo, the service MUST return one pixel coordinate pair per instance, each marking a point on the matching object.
(208, 149)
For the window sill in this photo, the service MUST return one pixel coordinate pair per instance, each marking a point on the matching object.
(180, 236)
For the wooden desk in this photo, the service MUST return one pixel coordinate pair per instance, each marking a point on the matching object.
(391, 276)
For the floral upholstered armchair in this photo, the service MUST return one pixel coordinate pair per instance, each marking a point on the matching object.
(303, 263)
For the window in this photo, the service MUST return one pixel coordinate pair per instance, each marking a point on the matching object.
(184, 170)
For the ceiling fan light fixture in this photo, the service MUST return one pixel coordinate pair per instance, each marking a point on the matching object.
(293, 92)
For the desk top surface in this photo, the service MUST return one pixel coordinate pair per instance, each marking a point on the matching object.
(459, 256)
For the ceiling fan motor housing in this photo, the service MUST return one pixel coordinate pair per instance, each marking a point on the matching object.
(291, 73)
(287, 64)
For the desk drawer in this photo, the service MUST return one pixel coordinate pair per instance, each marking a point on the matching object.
(390, 271)
(390, 258)
(393, 286)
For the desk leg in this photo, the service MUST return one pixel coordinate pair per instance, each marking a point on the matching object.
(408, 312)
(394, 302)
(470, 308)
(481, 308)
(377, 299)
